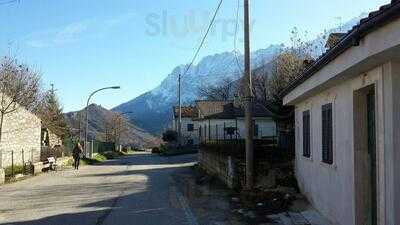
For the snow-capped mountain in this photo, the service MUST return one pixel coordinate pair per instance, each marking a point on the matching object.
(153, 110)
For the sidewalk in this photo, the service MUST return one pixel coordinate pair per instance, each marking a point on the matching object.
(215, 204)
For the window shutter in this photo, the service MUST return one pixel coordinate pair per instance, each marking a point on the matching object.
(306, 134)
(327, 134)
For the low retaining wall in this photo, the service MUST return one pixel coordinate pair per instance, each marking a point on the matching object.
(2, 176)
(219, 165)
(37, 168)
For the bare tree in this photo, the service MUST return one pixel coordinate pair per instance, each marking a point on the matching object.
(224, 90)
(115, 127)
(19, 87)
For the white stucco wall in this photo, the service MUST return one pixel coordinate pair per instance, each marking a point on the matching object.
(331, 188)
(187, 135)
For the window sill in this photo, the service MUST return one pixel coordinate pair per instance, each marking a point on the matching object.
(307, 158)
(328, 166)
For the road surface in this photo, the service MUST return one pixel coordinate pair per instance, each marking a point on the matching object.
(132, 190)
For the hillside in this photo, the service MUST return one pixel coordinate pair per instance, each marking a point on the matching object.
(97, 125)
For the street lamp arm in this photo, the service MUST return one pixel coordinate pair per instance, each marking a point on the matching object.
(87, 112)
(101, 89)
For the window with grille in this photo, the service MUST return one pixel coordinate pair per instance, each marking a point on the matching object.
(327, 134)
(306, 134)
(190, 127)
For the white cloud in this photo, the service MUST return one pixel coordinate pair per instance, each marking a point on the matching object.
(75, 32)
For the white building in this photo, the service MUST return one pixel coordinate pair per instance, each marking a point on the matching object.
(348, 124)
(189, 127)
(221, 120)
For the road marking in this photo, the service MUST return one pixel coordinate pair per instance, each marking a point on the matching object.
(185, 206)
(148, 210)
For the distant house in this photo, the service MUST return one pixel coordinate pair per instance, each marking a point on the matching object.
(49, 138)
(222, 120)
(189, 126)
(347, 122)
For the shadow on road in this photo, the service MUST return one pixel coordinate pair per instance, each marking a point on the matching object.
(125, 200)
(148, 159)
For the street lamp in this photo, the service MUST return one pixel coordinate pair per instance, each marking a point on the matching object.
(87, 112)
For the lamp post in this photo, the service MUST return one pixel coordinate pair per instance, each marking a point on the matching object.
(87, 112)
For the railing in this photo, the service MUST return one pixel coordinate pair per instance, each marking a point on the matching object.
(18, 161)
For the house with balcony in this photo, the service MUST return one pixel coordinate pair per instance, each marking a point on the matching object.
(223, 120)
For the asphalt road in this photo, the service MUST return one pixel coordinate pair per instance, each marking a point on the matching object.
(132, 190)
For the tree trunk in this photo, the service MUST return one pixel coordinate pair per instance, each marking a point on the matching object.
(1, 125)
(1, 131)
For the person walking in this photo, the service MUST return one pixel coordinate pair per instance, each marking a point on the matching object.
(76, 153)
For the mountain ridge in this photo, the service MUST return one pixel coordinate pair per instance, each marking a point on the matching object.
(153, 109)
(98, 117)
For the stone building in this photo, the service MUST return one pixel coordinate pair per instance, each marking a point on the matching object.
(50, 138)
(21, 136)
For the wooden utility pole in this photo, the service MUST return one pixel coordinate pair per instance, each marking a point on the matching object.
(180, 112)
(248, 100)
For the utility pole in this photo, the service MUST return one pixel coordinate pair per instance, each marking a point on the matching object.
(248, 99)
(180, 112)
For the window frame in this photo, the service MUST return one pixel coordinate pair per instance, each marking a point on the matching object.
(327, 134)
(190, 125)
(306, 152)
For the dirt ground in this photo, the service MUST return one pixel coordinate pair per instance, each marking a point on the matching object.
(214, 204)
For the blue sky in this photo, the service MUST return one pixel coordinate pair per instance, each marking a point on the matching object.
(82, 45)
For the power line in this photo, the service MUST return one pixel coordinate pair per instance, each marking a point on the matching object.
(204, 37)
(235, 38)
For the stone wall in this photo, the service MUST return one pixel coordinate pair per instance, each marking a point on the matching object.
(54, 139)
(21, 136)
(221, 166)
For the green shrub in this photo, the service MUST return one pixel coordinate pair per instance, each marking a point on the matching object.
(155, 150)
(100, 157)
(17, 169)
(170, 136)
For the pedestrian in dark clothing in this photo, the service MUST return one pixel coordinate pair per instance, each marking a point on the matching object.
(76, 153)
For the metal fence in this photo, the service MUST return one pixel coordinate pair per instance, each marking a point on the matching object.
(18, 161)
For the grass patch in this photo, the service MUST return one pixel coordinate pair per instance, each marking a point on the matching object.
(175, 151)
(17, 170)
(98, 158)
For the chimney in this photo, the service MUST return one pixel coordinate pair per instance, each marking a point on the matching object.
(334, 39)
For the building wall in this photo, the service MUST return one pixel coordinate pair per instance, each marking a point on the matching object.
(186, 134)
(214, 129)
(21, 132)
(54, 140)
(220, 165)
(331, 188)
